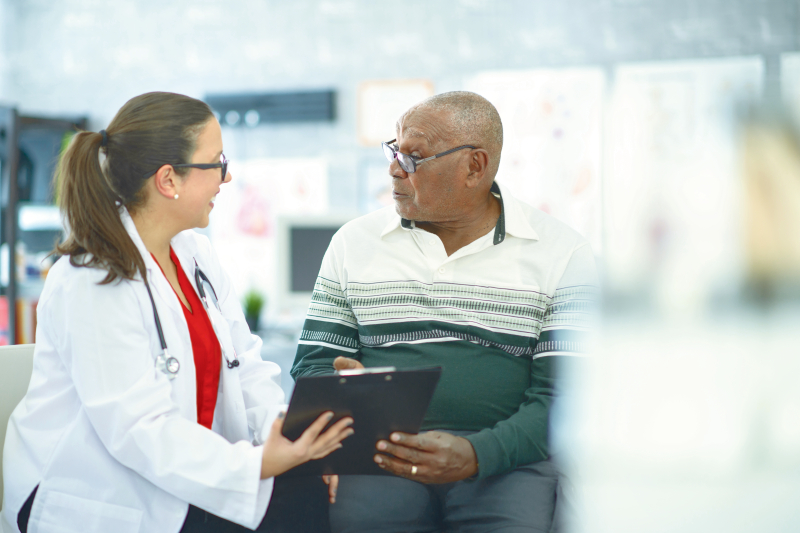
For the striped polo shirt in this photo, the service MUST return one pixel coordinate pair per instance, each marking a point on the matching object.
(492, 315)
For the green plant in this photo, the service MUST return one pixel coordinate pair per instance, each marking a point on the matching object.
(253, 303)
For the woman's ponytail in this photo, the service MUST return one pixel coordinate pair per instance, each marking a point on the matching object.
(90, 207)
(149, 131)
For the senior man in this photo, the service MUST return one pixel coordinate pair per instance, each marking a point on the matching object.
(461, 275)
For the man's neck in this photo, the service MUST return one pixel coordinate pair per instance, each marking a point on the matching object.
(455, 234)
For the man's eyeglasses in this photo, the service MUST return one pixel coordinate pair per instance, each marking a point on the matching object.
(223, 164)
(409, 163)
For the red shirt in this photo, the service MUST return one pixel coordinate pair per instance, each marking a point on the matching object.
(205, 347)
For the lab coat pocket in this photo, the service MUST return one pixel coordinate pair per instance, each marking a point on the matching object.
(65, 513)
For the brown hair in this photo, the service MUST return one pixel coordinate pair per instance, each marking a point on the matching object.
(149, 131)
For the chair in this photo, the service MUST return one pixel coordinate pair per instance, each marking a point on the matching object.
(16, 366)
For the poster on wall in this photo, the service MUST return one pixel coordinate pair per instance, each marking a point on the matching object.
(552, 145)
(243, 222)
(374, 185)
(671, 180)
(380, 104)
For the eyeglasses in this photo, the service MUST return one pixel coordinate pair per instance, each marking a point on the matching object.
(409, 163)
(223, 164)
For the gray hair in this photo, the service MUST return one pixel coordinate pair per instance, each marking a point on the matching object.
(473, 120)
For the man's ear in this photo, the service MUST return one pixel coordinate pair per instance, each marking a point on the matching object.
(166, 181)
(478, 164)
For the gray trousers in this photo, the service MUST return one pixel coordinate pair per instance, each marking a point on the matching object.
(522, 500)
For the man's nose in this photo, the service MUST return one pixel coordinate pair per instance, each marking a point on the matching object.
(396, 171)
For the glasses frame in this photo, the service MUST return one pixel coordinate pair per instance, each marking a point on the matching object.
(409, 163)
(203, 166)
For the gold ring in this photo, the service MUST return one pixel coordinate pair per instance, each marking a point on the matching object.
(413, 470)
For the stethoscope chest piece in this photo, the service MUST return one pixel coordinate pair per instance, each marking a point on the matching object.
(173, 365)
(168, 364)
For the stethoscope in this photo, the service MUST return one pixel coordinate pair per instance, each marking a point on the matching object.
(168, 364)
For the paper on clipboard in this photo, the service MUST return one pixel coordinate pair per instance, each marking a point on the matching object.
(380, 401)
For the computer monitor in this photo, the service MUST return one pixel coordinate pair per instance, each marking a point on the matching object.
(302, 242)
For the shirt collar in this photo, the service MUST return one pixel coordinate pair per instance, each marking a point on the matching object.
(512, 220)
(516, 223)
(130, 227)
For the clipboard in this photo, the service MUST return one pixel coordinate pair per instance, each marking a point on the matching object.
(380, 400)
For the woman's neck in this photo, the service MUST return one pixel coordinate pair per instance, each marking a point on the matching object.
(156, 235)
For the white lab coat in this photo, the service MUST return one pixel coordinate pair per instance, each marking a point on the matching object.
(113, 444)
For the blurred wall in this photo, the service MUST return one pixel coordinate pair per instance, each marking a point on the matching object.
(90, 56)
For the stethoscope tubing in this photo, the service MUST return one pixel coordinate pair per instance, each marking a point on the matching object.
(171, 365)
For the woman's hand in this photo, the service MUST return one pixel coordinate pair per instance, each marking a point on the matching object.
(333, 485)
(281, 454)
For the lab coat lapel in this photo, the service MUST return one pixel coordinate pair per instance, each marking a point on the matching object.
(158, 282)
(186, 257)
(173, 322)
(230, 419)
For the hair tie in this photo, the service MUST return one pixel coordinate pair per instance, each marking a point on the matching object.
(104, 142)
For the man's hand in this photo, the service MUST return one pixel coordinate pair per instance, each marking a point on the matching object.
(438, 457)
(345, 363)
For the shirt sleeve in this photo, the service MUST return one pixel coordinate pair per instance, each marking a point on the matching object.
(330, 329)
(566, 328)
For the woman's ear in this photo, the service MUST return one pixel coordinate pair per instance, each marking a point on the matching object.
(166, 181)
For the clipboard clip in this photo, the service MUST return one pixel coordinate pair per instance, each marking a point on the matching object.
(371, 370)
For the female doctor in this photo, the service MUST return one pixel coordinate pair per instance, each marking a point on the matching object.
(149, 408)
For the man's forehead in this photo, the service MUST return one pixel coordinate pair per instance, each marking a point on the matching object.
(421, 124)
(414, 133)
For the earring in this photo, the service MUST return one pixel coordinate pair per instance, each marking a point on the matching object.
(176, 196)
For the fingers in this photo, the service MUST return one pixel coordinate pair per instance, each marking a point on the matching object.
(277, 425)
(412, 455)
(333, 486)
(346, 363)
(331, 439)
(402, 468)
(313, 431)
(319, 453)
(429, 441)
(337, 432)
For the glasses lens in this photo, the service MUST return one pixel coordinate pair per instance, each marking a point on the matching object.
(388, 152)
(407, 162)
(224, 166)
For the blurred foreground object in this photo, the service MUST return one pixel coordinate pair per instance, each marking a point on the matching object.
(771, 161)
(690, 422)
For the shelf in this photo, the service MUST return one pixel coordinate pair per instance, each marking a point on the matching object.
(39, 218)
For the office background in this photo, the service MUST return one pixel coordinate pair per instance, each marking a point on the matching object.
(634, 115)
